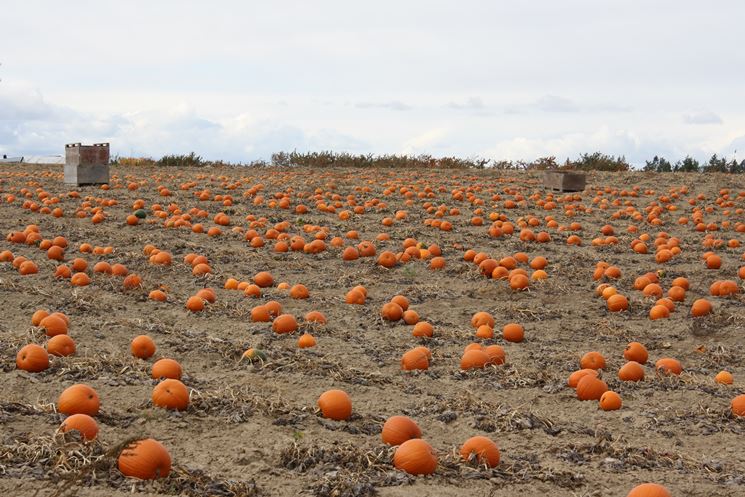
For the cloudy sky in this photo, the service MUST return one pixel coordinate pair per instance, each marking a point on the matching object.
(238, 80)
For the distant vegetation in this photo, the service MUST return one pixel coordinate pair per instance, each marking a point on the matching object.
(596, 161)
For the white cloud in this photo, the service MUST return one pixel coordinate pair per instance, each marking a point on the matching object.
(471, 103)
(391, 105)
(702, 117)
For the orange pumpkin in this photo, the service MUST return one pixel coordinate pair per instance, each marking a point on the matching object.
(32, 358)
(285, 323)
(631, 371)
(142, 346)
(474, 359)
(391, 311)
(481, 450)
(171, 394)
(78, 399)
(635, 351)
(592, 360)
(335, 404)
(399, 429)
(738, 405)
(724, 378)
(591, 388)
(306, 341)
(610, 401)
(574, 378)
(415, 457)
(83, 424)
(166, 368)
(649, 490)
(145, 459)
(668, 365)
(415, 359)
(61, 345)
(513, 332)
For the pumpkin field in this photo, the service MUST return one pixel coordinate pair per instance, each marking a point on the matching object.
(348, 332)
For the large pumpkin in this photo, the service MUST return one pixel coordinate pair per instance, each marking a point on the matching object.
(399, 429)
(171, 394)
(82, 423)
(590, 387)
(32, 358)
(79, 399)
(416, 457)
(335, 404)
(649, 490)
(482, 450)
(145, 459)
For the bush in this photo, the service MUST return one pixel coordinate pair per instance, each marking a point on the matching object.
(344, 159)
(687, 165)
(658, 165)
(598, 162)
(191, 160)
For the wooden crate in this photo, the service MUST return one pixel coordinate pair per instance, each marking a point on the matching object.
(86, 164)
(564, 181)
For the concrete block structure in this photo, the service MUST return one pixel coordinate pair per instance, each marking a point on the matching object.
(86, 164)
(564, 181)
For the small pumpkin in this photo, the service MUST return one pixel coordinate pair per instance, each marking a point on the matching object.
(145, 459)
(54, 324)
(668, 365)
(610, 401)
(335, 404)
(284, 323)
(415, 457)
(399, 429)
(78, 399)
(574, 378)
(82, 423)
(591, 388)
(474, 359)
(415, 359)
(481, 450)
(61, 345)
(631, 371)
(166, 368)
(724, 378)
(513, 332)
(592, 360)
(32, 358)
(635, 351)
(738, 405)
(649, 490)
(171, 394)
(306, 341)
(391, 311)
(142, 346)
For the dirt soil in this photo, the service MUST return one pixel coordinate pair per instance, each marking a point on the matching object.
(254, 429)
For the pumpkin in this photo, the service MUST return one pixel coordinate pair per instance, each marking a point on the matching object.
(496, 354)
(474, 359)
(513, 332)
(738, 405)
(335, 404)
(61, 345)
(635, 351)
(415, 359)
(315, 317)
(591, 388)
(481, 450)
(32, 358)
(38, 316)
(649, 490)
(668, 365)
(700, 307)
(399, 429)
(142, 346)
(422, 329)
(82, 423)
(410, 317)
(391, 311)
(592, 360)
(401, 301)
(724, 378)
(299, 291)
(54, 324)
(415, 457)
(260, 314)
(485, 332)
(171, 394)
(263, 279)
(285, 323)
(78, 399)
(195, 304)
(574, 378)
(145, 459)
(631, 371)
(610, 401)
(482, 318)
(617, 303)
(306, 340)
(274, 308)
(207, 294)
(166, 368)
